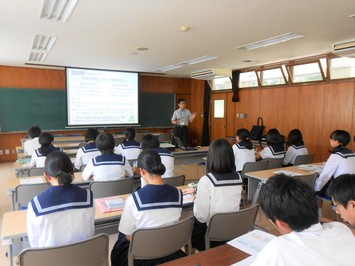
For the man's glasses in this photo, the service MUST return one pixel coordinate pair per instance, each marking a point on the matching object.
(334, 206)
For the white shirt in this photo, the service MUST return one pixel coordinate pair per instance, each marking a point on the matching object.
(336, 165)
(269, 152)
(183, 117)
(330, 244)
(292, 152)
(129, 149)
(217, 194)
(167, 159)
(85, 154)
(107, 167)
(242, 155)
(38, 159)
(30, 145)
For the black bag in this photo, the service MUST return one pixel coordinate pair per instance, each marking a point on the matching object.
(257, 130)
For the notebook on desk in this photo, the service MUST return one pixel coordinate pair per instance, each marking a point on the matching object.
(181, 145)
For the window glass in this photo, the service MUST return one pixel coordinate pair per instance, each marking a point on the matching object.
(306, 73)
(218, 109)
(272, 77)
(248, 80)
(342, 67)
(221, 84)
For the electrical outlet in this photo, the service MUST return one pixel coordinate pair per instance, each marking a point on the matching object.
(1, 152)
(7, 151)
(13, 151)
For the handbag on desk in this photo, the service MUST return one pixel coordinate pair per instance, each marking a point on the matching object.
(257, 130)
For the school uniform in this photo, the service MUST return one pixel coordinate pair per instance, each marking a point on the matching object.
(85, 154)
(60, 215)
(30, 146)
(150, 206)
(129, 149)
(341, 161)
(167, 159)
(292, 152)
(216, 193)
(327, 244)
(242, 155)
(106, 167)
(38, 159)
(273, 151)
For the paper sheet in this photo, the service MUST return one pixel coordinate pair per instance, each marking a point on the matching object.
(188, 198)
(288, 173)
(311, 168)
(35, 180)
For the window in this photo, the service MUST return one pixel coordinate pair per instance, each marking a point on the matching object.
(248, 79)
(342, 68)
(309, 72)
(223, 83)
(272, 77)
(218, 109)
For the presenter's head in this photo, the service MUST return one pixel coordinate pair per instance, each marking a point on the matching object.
(182, 103)
(105, 143)
(58, 168)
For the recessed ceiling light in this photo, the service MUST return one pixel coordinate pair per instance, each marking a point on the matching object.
(43, 43)
(57, 10)
(198, 60)
(37, 57)
(185, 28)
(167, 68)
(142, 48)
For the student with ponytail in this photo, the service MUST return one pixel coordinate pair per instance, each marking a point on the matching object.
(64, 213)
(243, 150)
(156, 204)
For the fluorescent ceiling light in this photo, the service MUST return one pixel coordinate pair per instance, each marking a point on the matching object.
(57, 10)
(167, 68)
(37, 57)
(267, 42)
(43, 43)
(198, 60)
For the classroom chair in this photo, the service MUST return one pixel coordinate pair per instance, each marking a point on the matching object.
(175, 181)
(25, 192)
(93, 251)
(152, 243)
(274, 162)
(304, 159)
(227, 226)
(36, 171)
(307, 179)
(102, 189)
(165, 137)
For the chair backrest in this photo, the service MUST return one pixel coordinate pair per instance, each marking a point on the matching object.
(175, 181)
(93, 251)
(274, 162)
(226, 226)
(254, 166)
(304, 159)
(165, 137)
(102, 189)
(152, 243)
(24, 193)
(35, 171)
(307, 179)
(119, 140)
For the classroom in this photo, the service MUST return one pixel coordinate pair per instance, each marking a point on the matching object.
(225, 58)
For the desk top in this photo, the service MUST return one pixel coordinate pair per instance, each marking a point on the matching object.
(222, 255)
(264, 175)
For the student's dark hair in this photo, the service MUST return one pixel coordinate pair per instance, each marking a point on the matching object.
(34, 131)
(149, 141)
(342, 136)
(289, 200)
(220, 157)
(150, 161)
(59, 165)
(45, 139)
(342, 189)
(181, 100)
(105, 143)
(91, 134)
(273, 137)
(130, 133)
(244, 135)
(295, 138)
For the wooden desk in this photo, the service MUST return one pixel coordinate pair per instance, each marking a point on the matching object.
(222, 255)
(190, 157)
(258, 178)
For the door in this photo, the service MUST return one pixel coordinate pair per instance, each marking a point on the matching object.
(218, 121)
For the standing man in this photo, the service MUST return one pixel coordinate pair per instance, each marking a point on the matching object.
(181, 119)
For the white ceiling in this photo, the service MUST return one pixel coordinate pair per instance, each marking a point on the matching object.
(103, 33)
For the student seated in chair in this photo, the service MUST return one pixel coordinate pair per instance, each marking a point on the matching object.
(292, 207)
(342, 191)
(89, 151)
(275, 146)
(218, 191)
(129, 148)
(64, 213)
(156, 204)
(33, 143)
(295, 147)
(107, 166)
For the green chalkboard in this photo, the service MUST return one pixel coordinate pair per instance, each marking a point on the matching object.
(156, 109)
(22, 108)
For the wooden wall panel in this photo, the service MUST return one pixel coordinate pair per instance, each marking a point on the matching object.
(230, 115)
(269, 100)
(352, 134)
(288, 109)
(311, 118)
(337, 114)
(197, 94)
(164, 85)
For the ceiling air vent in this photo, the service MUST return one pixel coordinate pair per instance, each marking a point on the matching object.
(212, 73)
(345, 49)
